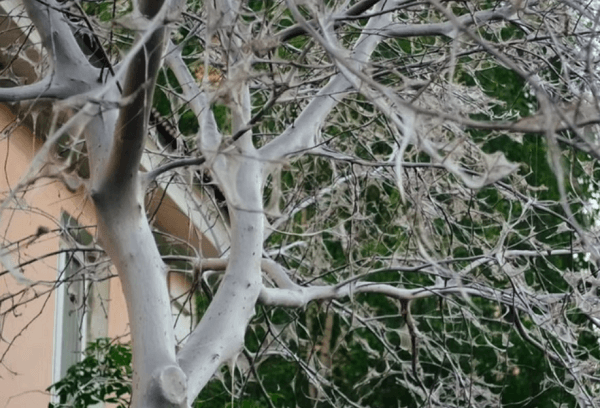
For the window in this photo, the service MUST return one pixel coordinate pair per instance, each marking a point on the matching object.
(81, 298)
(70, 326)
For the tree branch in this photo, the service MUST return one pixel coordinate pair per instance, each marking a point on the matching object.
(297, 138)
(299, 29)
(57, 36)
(153, 174)
(121, 171)
(208, 137)
(447, 29)
(219, 337)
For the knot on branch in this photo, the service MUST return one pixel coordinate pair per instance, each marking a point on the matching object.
(172, 383)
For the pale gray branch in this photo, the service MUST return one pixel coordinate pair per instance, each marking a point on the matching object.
(153, 174)
(304, 132)
(209, 138)
(57, 36)
(448, 29)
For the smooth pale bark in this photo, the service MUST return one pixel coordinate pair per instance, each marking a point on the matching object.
(125, 233)
(208, 137)
(219, 337)
(127, 238)
(446, 29)
(56, 36)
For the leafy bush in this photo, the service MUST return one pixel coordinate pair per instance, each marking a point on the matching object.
(104, 375)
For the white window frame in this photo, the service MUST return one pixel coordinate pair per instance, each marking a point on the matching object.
(81, 308)
(70, 323)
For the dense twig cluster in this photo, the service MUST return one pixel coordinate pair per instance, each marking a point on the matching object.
(411, 181)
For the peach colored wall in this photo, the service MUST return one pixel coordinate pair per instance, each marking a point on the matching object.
(26, 369)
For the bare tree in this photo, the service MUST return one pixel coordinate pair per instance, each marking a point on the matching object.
(421, 171)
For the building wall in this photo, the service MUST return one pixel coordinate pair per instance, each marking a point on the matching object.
(26, 369)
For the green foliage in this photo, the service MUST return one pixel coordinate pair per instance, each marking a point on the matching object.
(106, 11)
(104, 375)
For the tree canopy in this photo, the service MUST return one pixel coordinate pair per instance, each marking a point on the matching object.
(407, 190)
